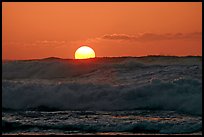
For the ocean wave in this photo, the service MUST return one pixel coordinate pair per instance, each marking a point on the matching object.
(155, 83)
(181, 95)
(62, 68)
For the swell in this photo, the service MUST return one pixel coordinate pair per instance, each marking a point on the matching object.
(61, 68)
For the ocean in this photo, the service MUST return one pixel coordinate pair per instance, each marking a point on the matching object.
(105, 96)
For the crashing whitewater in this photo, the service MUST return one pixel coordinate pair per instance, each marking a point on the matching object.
(109, 84)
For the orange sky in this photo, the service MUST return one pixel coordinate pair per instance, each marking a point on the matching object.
(42, 29)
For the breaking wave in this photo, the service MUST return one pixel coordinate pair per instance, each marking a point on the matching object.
(151, 83)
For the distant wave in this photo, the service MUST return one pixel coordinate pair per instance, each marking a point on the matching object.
(62, 68)
(154, 83)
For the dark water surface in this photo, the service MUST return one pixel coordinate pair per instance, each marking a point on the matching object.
(100, 122)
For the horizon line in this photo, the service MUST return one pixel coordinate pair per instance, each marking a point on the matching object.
(54, 57)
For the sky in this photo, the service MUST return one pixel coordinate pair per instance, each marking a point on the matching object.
(33, 30)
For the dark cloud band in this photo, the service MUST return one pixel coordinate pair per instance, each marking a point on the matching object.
(153, 36)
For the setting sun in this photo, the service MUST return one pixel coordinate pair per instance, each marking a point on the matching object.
(84, 52)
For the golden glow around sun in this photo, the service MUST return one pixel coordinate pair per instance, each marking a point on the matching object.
(84, 52)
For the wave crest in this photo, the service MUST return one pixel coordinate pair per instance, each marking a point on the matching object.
(183, 95)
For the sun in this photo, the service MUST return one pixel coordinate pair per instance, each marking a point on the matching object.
(84, 52)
